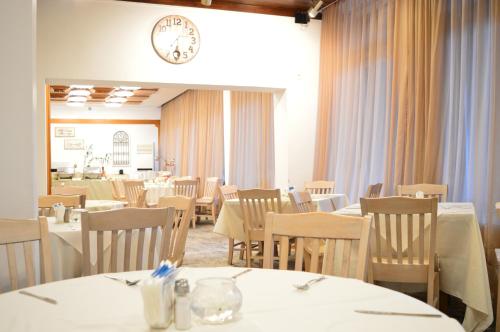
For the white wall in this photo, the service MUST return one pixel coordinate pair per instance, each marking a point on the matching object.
(129, 112)
(110, 41)
(100, 137)
(17, 108)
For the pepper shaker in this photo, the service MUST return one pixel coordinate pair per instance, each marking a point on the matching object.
(182, 309)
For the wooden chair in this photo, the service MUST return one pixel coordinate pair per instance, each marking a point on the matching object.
(320, 187)
(135, 193)
(118, 190)
(45, 203)
(23, 232)
(188, 188)
(209, 199)
(373, 190)
(254, 205)
(126, 220)
(316, 226)
(228, 192)
(70, 191)
(231, 192)
(414, 260)
(301, 202)
(184, 208)
(430, 190)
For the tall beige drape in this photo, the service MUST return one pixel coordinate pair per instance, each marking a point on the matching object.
(192, 133)
(252, 140)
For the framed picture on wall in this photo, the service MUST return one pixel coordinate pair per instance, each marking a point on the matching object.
(74, 144)
(65, 131)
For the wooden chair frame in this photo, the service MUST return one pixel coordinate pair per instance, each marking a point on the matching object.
(320, 187)
(405, 265)
(135, 193)
(70, 191)
(126, 220)
(23, 232)
(209, 200)
(301, 202)
(118, 190)
(184, 209)
(255, 203)
(316, 226)
(430, 190)
(374, 190)
(231, 192)
(45, 203)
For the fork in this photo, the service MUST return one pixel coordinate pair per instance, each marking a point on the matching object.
(306, 285)
(125, 281)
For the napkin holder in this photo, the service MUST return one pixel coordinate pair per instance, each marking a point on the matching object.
(59, 212)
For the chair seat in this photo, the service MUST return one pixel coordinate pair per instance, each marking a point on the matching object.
(204, 200)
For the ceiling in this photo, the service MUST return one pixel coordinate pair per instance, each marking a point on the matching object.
(99, 94)
(272, 7)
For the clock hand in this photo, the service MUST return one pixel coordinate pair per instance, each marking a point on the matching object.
(170, 47)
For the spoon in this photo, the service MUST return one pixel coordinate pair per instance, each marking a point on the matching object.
(308, 284)
(127, 282)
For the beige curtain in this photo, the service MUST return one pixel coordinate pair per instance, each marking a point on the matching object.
(252, 140)
(192, 133)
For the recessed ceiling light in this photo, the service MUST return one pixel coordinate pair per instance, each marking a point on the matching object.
(79, 92)
(75, 104)
(123, 93)
(110, 104)
(78, 99)
(113, 99)
(129, 88)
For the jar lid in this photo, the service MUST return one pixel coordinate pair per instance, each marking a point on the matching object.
(181, 287)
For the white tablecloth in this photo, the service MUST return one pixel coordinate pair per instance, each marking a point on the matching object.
(96, 188)
(157, 190)
(230, 220)
(102, 205)
(270, 303)
(462, 260)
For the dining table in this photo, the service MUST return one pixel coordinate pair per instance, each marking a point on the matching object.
(462, 262)
(230, 220)
(270, 302)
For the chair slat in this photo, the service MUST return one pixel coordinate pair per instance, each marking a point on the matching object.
(28, 262)
(100, 252)
(152, 246)
(126, 255)
(421, 238)
(399, 242)
(12, 263)
(299, 253)
(388, 244)
(114, 250)
(283, 253)
(410, 238)
(377, 237)
(314, 255)
(140, 246)
(329, 257)
(346, 260)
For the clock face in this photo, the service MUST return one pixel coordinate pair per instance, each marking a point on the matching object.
(175, 39)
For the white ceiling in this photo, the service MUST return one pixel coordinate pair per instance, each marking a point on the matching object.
(162, 96)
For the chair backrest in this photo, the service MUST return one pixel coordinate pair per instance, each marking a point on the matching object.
(373, 190)
(228, 192)
(135, 193)
(188, 188)
(45, 203)
(335, 230)
(301, 202)
(70, 191)
(211, 185)
(255, 203)
(127, 220)
(430, 190)
(320, 187)
(402, 251)
(184, 209)
(23, 232)
(118, 190)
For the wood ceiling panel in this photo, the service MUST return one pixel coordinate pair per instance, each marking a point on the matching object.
(277, 7)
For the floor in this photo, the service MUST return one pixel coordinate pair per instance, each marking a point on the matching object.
(206, 248)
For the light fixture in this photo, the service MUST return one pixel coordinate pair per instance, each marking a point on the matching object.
(206, 2)
(75, 104)
(132, 88)
(78, 99)
(313, 11)
(112, 104)
(79, 92)
(80, 86)
(123, 93)
(114, 99)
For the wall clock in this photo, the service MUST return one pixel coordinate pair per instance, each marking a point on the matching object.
(175, 39)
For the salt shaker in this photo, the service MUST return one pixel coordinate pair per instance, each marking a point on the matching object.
(182, 311)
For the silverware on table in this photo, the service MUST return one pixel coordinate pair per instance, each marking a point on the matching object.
(308, 284)
(42, 298)
(241, 273)
(124, 281)
(391, 313)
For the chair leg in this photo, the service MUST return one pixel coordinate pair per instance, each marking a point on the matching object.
(230, 252)
(213, 213)
(433, 290)
(242, 250)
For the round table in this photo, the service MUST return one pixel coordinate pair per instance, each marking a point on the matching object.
(93, 205)
(270, 303)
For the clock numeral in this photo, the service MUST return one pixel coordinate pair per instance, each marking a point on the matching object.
(191, 49)
(185, 55)
(191, 31)
(177, 21)
(168, 22)
(193, 40)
